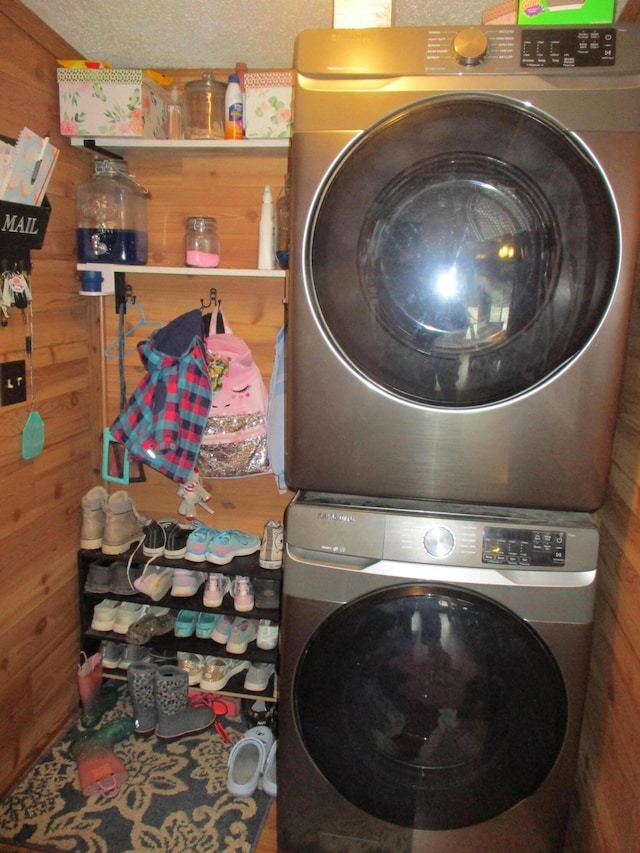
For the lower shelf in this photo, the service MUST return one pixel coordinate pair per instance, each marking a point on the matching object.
(167, 645)
(233, 688)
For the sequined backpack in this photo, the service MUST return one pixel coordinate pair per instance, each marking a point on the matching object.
(234, 442)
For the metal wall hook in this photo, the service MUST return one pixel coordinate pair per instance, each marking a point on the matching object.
(123, 292)
(213, 299)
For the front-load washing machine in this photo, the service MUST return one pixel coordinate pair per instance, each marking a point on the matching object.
(433, 668)
(466, 209)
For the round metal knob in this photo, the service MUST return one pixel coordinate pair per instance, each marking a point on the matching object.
(439, 542)
(470, 46)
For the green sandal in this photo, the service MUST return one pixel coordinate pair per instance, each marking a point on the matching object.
(151, 625)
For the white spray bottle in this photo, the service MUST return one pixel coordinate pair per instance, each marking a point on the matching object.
(265, 234)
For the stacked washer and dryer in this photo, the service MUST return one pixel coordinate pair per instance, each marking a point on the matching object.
(466, 211)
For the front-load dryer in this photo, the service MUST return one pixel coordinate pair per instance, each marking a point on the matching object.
(432, 676)
(466, 209)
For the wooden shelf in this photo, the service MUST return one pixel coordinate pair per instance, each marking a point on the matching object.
(108, 270)
(241, 146)
(144, 269)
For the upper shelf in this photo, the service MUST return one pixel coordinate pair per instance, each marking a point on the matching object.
(108, 273)
(184, 145)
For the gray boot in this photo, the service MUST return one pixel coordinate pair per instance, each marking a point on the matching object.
(123, 525)
(141, 678)
(175, 716)
(93, 517)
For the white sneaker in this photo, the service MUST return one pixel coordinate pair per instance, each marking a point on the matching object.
(272, 545)
(257, 678)
(267, 634)
(104, 615)
(127, 613)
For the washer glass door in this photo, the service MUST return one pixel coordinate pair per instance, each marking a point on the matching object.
(430, 707)
(462, 250)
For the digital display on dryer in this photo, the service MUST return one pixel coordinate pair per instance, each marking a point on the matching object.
(503, 546)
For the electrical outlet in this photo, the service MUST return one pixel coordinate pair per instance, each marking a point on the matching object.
(13, 383)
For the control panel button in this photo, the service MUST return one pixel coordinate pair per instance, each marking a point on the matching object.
(439, 542)
(470, 46)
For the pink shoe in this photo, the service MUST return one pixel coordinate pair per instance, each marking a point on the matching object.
(242, 593)
(217, 587)
(186, 582)
(223, 630)
(243, 632)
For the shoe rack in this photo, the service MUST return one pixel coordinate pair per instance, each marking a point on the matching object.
(168, 645)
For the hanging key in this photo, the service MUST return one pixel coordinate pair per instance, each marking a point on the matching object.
(19, 288)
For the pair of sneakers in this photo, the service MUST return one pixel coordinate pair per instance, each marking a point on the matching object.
(207, 544)
(156, 581)
(116, 616)
(166, 538)
(240, 588)
(221, 546)
(234, 632)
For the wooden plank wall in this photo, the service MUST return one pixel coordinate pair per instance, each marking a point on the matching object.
(605, 816)
(41, 497)
(606, 812)
(39, 637)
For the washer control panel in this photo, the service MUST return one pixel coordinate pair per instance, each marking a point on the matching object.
(427, 532)
(590, 47)
(504, 546)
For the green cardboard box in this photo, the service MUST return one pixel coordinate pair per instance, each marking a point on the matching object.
(548, 13)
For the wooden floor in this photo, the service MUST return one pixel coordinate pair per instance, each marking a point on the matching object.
(268, 842)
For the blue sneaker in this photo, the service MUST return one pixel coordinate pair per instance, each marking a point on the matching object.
(206, 623)
(185, 623)
(227, 544)
(198, 543)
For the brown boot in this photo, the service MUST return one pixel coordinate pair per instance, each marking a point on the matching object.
(123, 525)
(93, 517)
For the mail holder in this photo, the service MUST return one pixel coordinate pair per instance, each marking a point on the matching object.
(22, 228)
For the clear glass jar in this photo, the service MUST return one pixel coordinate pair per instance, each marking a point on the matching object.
(112, 216)
(203, 108)
(202, 243)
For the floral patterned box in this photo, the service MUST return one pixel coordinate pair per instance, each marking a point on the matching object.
(111, 102)
(268, 104)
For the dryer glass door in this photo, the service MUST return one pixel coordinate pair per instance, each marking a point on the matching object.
(429, 706)
(462, 251)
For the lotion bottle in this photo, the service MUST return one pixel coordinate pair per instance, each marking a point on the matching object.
(233, 118)
(265, 234)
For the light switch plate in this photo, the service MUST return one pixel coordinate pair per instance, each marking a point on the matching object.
(13, 383)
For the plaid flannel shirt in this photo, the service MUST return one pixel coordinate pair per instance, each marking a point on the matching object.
(163, 422)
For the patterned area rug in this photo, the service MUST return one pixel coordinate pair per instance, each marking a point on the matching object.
(175, 799)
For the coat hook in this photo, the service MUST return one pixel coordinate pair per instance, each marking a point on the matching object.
(213, 299)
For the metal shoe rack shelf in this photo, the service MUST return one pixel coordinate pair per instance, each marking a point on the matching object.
(168, 645)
